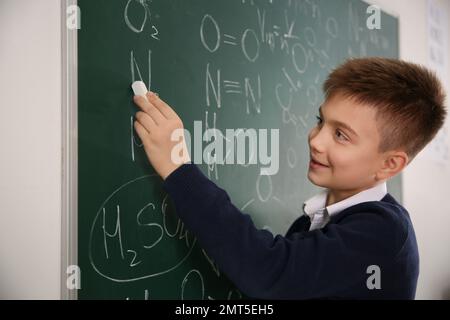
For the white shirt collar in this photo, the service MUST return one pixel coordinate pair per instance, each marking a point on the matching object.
(317, 203)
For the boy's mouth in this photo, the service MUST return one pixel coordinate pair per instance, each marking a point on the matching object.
(316, 164)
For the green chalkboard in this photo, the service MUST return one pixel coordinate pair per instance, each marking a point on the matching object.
(227, 64)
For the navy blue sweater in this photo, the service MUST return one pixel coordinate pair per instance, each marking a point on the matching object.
(331, 262)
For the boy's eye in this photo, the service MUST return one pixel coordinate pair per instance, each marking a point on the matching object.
(340, 135)
(319, 120)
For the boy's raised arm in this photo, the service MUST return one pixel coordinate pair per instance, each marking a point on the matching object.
(302, 266)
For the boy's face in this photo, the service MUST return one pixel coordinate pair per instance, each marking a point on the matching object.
(351, 159)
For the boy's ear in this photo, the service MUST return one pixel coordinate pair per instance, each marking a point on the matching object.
(393, 163)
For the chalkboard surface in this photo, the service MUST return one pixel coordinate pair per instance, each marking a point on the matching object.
(229, 64)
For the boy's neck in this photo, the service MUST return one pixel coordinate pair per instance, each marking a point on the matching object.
(334, 196)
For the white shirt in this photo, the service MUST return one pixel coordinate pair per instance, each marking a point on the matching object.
(320, 215)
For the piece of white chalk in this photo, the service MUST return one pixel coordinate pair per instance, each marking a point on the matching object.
(139, 89)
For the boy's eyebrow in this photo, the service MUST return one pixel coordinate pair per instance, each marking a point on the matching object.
(339, 124)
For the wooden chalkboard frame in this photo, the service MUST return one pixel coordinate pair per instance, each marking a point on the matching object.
(69, 142)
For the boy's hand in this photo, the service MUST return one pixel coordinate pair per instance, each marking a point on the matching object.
(155, 125)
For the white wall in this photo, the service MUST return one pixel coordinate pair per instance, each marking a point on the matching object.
(426, 185)
(30, 141)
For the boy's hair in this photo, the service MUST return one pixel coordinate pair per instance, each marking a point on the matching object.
(408, 98)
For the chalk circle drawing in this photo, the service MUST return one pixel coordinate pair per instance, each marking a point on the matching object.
(300, 58)
(209, 18)
(133, 27)
(250, 33)
(200, 283)
(291, 157)
(136, 233)
(332, 27)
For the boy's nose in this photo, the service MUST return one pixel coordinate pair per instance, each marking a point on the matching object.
(316, 142)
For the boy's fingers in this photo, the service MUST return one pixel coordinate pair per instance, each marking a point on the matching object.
(163, 107)
(141, 131)
(149, 108)
(146, 121)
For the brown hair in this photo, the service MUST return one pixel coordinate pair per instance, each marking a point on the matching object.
(409, 99)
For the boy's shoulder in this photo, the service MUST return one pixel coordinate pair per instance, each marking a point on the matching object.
(387, 219)
(387, 208)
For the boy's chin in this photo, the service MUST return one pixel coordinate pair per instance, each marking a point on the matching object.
(316, 181)
(311, 179)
